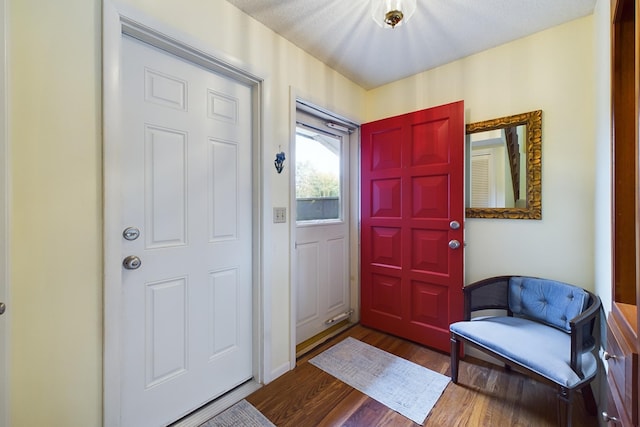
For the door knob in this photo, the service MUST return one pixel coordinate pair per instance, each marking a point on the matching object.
(454, 244)
(131, 262)
(454, 225)
(3, 308)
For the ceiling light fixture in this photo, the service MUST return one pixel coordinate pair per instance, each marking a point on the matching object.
(392, 13)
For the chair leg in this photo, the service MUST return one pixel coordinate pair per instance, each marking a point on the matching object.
(589, 401)
(565, 407)
(455, 351)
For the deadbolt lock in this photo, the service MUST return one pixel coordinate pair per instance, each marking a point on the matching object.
(131, 233)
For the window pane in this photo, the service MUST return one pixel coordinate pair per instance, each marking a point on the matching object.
(318, 185)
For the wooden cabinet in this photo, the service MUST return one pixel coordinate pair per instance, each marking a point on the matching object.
(622, 323)
(612, 413)
(622, 360)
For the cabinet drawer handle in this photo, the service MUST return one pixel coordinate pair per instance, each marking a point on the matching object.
(608, 356)
(606, 418)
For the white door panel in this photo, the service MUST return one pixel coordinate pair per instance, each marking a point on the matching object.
(185, 167)
(308, 279)
(322, 277)
(338, 273)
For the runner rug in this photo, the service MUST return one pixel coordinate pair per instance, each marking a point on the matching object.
(241, 414)
(401, 385)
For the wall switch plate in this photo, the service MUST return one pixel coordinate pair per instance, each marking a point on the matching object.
(279, 215)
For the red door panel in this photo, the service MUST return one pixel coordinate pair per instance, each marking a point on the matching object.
(412, 189)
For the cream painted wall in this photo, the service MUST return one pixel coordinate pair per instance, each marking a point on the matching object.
(56, 142)
(56, 257)
(602, 202)
(602, 190)
(552, 71)
(602, 205)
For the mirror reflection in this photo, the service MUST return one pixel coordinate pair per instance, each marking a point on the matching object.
(497, 169)
(503, 167)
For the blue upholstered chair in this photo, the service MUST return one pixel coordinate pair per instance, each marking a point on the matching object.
(542, 326)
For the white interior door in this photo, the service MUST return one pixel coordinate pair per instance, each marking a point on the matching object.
(488, 177)
(322, 226)
(187, 201)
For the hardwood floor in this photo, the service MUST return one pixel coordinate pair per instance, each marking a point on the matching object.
(486, 394)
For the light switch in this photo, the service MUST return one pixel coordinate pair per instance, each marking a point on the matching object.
(279, 215)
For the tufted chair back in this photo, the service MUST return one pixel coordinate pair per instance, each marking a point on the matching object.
(547, 301)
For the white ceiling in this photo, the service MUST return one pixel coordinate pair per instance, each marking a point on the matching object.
(342, 34)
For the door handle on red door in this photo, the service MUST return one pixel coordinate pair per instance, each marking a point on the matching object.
(454, 244)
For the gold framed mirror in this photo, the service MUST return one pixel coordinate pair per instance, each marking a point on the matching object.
(504, 167)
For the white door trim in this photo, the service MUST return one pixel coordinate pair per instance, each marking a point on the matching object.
(115, 24)
(4, 220)
(353, 210)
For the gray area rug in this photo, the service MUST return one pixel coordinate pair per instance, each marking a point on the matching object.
(401, 385)
(241, 414)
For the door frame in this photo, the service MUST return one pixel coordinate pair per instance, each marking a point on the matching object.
(5, 284)
(352, 209)
(117, 23)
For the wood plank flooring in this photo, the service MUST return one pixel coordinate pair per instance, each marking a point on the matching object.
(486, 394)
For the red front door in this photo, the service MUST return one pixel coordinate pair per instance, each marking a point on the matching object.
(412, 199)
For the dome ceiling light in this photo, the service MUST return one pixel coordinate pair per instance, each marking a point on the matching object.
(392, 13)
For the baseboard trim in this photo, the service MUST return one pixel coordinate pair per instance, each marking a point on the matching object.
(279, 371)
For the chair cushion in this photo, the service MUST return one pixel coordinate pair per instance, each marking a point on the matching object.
(538, 347)
(548, 301)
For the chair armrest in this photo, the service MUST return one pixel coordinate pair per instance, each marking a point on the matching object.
(582, 338)
(487, 294)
